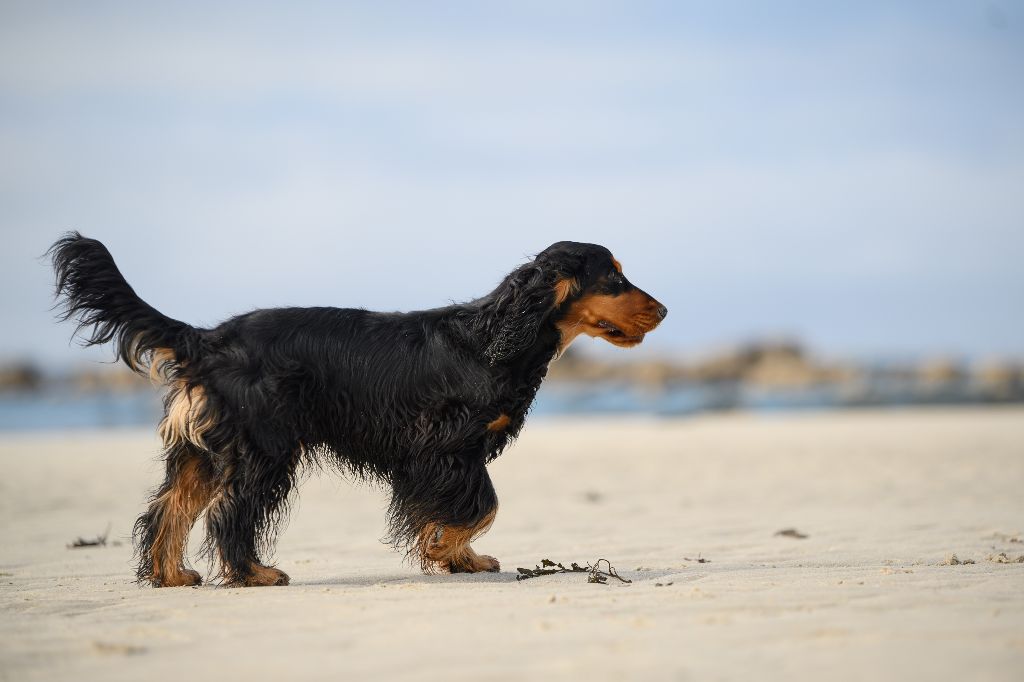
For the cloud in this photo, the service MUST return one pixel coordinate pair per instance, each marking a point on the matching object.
(358, 157)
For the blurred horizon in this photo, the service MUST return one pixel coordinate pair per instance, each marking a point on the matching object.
(847, 176)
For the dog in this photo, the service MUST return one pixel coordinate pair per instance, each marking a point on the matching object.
(420, 401)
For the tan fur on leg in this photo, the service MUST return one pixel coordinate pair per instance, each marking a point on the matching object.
(260, 576)
(179, 508)
(447, 548)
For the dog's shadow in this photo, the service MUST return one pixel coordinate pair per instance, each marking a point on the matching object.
(405, 579)
(504, 577)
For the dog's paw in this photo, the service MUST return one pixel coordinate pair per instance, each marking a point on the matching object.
(261, 576)
(478, 563)
(184, 577)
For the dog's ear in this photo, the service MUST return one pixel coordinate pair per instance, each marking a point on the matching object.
(516, 311)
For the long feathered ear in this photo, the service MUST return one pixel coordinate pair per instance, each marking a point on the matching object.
(512, 317)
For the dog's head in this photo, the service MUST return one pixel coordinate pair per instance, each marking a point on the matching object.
(593, 296)
(580, 289)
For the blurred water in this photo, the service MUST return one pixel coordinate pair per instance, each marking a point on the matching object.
(54, 410)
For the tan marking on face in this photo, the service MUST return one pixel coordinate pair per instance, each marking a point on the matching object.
(617, 265)
(634, 314)
(178, 508)
(564, 288)
(499, 424)
(188, 416)
(446, 548)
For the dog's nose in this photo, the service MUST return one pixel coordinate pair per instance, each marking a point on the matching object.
(662, 312)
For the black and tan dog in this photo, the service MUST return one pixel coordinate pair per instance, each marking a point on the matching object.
(421, 401)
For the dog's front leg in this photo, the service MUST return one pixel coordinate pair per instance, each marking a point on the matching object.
(439, 505)
(447, 548)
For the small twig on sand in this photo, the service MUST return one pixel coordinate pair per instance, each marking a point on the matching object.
(98, 541)
(596, 575)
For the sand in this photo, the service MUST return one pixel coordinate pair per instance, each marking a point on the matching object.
(884, 498)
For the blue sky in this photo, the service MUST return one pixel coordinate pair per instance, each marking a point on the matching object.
(851, 174)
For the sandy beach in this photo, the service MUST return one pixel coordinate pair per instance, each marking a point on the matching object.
(689, 510)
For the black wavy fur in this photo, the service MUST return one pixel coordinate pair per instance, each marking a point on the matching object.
(400, 398)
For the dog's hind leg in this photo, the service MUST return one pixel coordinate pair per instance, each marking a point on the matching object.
(243, 515)
(161, 533)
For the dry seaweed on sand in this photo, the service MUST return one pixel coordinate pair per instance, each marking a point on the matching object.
(98, 541)
(595, 574)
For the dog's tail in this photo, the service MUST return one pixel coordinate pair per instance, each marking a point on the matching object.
(93, 291)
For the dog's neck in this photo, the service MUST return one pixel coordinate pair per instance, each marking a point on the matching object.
(517, 379)
(539, 354)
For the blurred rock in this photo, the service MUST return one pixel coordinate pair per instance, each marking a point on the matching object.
(782, 366)
(940, 372)
(115, 378)
(769, 372)
(21, 376)
(998, 380)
